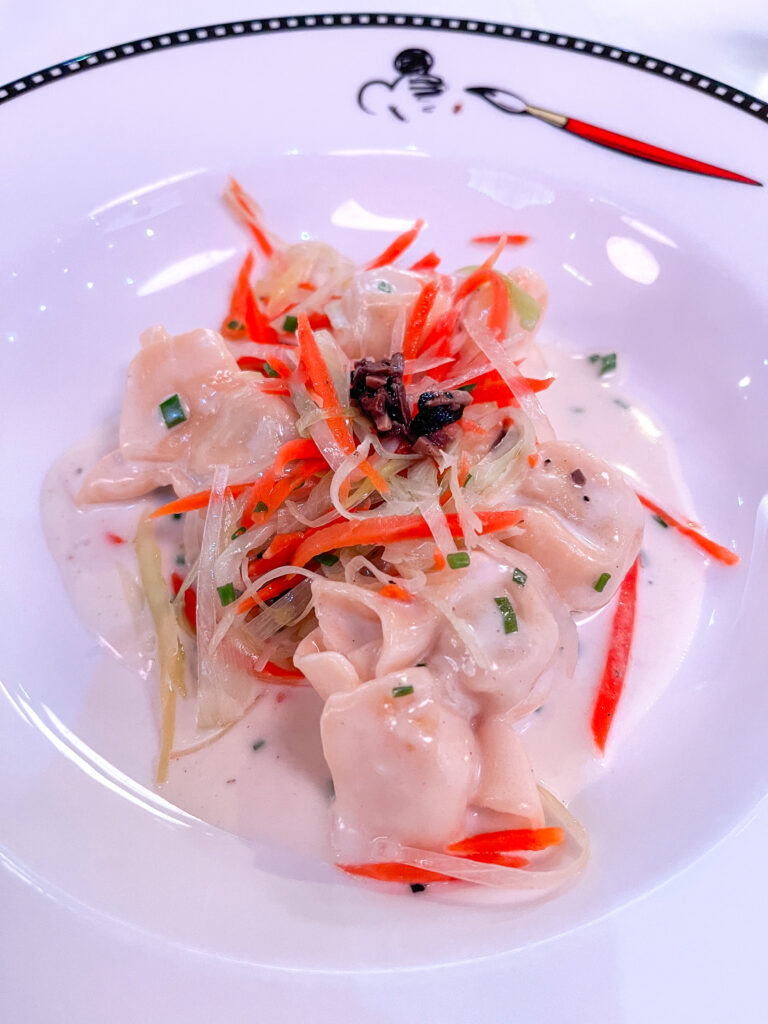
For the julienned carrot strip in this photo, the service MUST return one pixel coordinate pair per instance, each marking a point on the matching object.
(322, 385)
(243, 202)
(463, 469)
(439, 559)
(387, 529)
(499, 311)
(491, 387)
(397, 248)
(495, 239)
(319, 322)
(441, 331)
(418, 319)
(293, 450)
(272, 589)
(617, 659)
(195, 501)
(395, 592)
(272, 492)
(533, 459)
(717, 551)
(391, 871)
(429, 262)
(256, 324)
(508, 840)
(236, 313)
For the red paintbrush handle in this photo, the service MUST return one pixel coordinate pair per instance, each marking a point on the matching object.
(654, 153)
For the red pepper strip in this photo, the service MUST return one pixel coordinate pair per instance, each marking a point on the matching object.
(257, 364)
(418, 319)
(271, 669)
(390, 528)
(391, 871)
(717, 551)
(237, 302)
(176, 582)
(508, 840)
(307, 286)
(114, 538)
(293, 450)
(397, 248)
(495, 239)
(491, 387)
(195, 501)
(429, 262)
(441, 332)
(617, 659)
(190, 608)
(256, 324)
(242, 199)
(499, 311)
(319, 322)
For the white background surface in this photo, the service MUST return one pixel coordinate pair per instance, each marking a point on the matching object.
(692, 951)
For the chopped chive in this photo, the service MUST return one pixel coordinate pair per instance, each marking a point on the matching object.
(458, 559)
(235, 325)
(270, 370)
(227, 593)
(421, 664)
(402, 691)
(662, 522)
(468, 478)
(607, 362)
(172, 412)
(417, 887)
(327, 558)
(601, 581)
(519, 577)
(331, 790)
(238, 532)
(258, 744)
(260, 506)
(507, 614)
(468, 387)
(178, 515)
(384, 286)
(621, 403)
(181, 560)
(290, 324)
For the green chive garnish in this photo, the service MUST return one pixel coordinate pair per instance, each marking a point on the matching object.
(172, 411)
(468, 387)
(327, 558)
(259, 744)
(384, 286)
(601, 581)
(519, 577)
(177, 515)
(469, 477)
(260, 506)
(238, 532)
(270, 370)
(607, 362)
(421, 664)
(402, 691)
(662, 522)
(508, 616)
(235, 325)
(181, 560)
(458, 559)
(227, 593)
(290, 324)
(621, 403)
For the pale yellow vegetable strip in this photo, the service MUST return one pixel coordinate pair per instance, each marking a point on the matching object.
(169, 649)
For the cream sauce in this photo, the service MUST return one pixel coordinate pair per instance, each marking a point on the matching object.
(280, 789)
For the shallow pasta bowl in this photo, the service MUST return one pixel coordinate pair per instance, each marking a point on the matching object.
(342, 137)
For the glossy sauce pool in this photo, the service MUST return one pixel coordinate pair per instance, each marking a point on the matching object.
(265, 777)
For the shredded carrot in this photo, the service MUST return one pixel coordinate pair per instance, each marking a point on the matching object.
(508, 840)
(322, 384)
(114, 538)
(418, 319)
(463, 469)
(439, 558)
(717, 551)
(258, 365)
(243, 202)
(429, 262)
(397, 248)
(272, 589)
(319, 322)
(291, 451)
(236, 313)
(491, 387)
(533, 459)
(195, 501)
(391, 871)
(499, 311)
(387, 529)
(307, 286)
(617, 659)
(495, 239)
(471, 427)
(396, 592)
